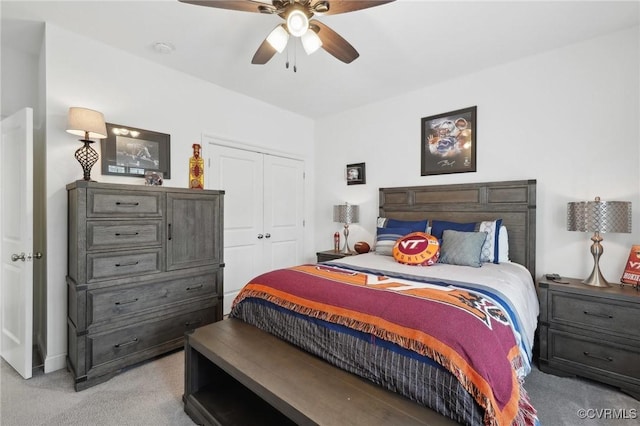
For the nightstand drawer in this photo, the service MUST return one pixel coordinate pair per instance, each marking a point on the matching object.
(589, 312)
(121, 234)
(593, 354)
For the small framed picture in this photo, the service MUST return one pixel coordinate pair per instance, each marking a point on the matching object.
(356, 174)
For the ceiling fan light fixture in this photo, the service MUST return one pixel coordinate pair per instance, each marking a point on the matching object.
(310, 41)
(297, 22)
(278, 38)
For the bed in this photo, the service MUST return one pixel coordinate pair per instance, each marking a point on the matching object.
(457, 339)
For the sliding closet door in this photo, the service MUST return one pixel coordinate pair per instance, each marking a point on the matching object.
(263, 212)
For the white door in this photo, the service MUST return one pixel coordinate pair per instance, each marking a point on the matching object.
(283, 212)
(263, 212)
(16, 217)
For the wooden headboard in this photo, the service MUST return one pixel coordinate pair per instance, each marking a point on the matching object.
(512, 201)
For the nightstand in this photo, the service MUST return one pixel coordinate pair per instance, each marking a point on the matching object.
(591, 332)
(326, 255)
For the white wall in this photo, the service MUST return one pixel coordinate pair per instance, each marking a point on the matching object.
(567, 118)
(134, 92)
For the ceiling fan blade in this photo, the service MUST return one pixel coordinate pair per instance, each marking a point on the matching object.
(344, 6)
(241, 5)
(334, 43)
(264, 53)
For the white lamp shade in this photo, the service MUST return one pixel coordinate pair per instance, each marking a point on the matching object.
(297, 23)
(310, 41)
(278, 38)
(86, 122)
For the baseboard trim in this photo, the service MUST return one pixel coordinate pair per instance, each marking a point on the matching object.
(54, 363)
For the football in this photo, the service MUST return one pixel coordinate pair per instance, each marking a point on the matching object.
(361, 247)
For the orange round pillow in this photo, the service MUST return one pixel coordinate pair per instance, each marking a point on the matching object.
(417, 248)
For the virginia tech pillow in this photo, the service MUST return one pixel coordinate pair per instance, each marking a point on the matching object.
(417, 248)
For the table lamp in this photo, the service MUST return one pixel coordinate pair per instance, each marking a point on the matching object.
(346, 214)
(88, 124)
(598, 217)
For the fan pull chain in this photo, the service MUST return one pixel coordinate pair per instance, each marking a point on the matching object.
(295, 57)
(286, 65)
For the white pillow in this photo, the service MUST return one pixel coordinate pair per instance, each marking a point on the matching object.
(503, 245)
(490, 253)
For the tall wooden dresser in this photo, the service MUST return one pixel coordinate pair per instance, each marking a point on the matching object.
(145, 265)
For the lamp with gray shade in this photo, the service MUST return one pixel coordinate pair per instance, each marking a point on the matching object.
(346, 214)
(88, 124)
(598, 217)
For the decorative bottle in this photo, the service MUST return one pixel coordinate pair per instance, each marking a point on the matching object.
(336, 242)
(196, 169)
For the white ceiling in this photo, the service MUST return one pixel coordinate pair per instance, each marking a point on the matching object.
(403, 45)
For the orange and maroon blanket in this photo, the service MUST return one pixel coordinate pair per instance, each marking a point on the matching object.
(462, 330)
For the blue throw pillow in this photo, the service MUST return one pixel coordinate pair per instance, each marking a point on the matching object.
(439, 226)
(414, 225)
(387, 237)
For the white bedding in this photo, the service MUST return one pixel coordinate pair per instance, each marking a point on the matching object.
(510, 279)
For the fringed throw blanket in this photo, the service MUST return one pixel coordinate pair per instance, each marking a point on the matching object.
(462, 330)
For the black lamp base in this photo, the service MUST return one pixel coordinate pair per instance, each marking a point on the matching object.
(87, 157)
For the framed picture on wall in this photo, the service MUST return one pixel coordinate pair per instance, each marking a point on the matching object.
(129, 151)
(448, 143)
(356, 174)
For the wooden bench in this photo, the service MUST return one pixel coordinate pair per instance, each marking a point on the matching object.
(236, 374)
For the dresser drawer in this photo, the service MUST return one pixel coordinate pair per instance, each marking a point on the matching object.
(589, 312)
(112, 304)
(104, 266)
(592, 354)
(142, 336)
(110, 203)
(122, 234)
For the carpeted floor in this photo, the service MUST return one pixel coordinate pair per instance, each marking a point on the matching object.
(151, 394)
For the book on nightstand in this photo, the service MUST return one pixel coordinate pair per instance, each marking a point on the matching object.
(631, 274)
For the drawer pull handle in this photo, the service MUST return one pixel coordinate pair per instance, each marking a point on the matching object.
(195, 288)
(127, 204)
(126, 234)
(130, 342)
(598, 315)
(127, 264)
(169, 232)
(126, 302)
(190, 323)
(608, 359)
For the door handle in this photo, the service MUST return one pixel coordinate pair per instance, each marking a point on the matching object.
(267, 235)
(260, 236)
(16, 257)
(25, 257)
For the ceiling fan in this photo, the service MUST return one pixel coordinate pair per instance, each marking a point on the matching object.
(298, 23)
